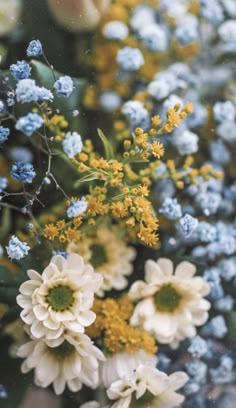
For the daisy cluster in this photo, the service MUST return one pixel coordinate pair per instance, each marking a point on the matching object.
(138, 300)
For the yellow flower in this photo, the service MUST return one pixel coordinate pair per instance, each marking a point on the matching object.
(157, 149)
(51, 231)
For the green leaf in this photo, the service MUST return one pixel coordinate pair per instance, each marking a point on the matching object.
(109, 153)
(88, 177)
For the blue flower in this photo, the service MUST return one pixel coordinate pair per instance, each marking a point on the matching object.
(72, 144)
(3, 183)
(26, 91)
(197, 370)
(43, 94)
(159, 89)
(20, 70)
(154, 37)
(171, 209)
(224, 304)
(22, 154)
(130, 59)
(217, 327)
(224, 111)
(198, 347)
(224, 372)
(115, 30)
(206, 232)
(29, 124)
(186, 142)
(136, 114)
(77, 207)
(34, 49)
(212, 11)
(227, 268)
(23, 172)
(187, 32)
(17, 249)
(110, 101)
(64, 86)
(187, 225)
(208, 202)
(4, 133)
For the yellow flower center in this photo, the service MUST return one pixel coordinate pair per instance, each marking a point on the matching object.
(167, 299)
(99, 256)
(60, 298)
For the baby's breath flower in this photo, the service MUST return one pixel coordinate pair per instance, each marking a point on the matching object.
(34, 49)
(77, 207)
(72, 144)
(64, 86)
(17, 249)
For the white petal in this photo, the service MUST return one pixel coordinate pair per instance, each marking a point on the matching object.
(37, 329)
(185, 270)
(153, 272)
(50, 271)
(32, 274)
(166, 265)
(59, 385)
(75, 262)
(178, 379)
(28, 287)
(40, 312)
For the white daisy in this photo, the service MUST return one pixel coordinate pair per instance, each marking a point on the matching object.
(109, 255)
(121, 364)
(60, 298)
(147, 387)
(71, 360)
(171, 305)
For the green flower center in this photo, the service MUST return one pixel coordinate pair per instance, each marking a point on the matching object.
(99, 256)
(146, 399)
(64, 350)
(167, 299)
(60, 298)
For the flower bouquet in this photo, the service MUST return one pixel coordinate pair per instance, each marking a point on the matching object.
(117, 198)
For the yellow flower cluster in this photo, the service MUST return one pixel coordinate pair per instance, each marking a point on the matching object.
(112, 326)
(56, 125)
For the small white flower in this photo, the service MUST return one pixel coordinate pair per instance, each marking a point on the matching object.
(147, 387)
(170, 305)
(69, 360)
(60, 298)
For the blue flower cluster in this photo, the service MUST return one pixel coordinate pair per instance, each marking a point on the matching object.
(23, 172)
(64, 86)
(17, 249)
(77, 207)
(4, 134)
(29, 124)
(72, 144)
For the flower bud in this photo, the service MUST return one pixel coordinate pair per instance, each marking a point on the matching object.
(78, 15)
